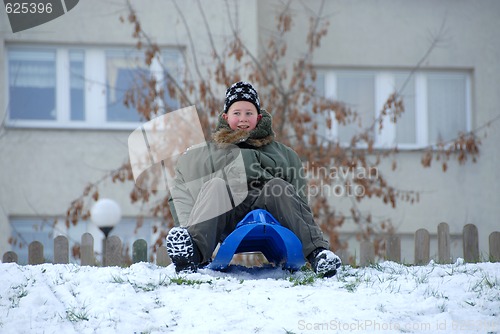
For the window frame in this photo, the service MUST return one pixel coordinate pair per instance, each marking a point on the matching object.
(95, 87)
(384, 87)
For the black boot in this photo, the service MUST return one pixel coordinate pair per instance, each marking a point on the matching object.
(182, 250)
(324, 262)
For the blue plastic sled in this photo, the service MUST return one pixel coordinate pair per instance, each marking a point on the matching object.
(259, 231)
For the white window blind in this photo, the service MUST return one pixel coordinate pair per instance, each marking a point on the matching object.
(437, 104)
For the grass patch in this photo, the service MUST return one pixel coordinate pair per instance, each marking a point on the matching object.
(163, 280)
(352, 286)
(308, 279)
(117, 279)
(486, 282)
(306, 276)
(19, 292)
(186, 281)
(77, 315)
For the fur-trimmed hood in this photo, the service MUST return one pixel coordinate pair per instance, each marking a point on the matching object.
(262, 135)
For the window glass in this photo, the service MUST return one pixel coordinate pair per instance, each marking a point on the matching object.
(124, 70)
(32, 84)
(25, 231)
(172, 64)
(446, 105)
(321, 117)
(357, 90)
(128, 232)
(406, 130)
(77, 84)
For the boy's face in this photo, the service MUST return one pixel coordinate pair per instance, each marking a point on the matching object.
(242, 115)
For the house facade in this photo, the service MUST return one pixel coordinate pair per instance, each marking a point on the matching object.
(64, 123)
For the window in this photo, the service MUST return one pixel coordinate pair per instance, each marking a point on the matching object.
(437, 104)
(82, 88)
(128, 232)
(32, 85)
(27, 230)
(123, 71)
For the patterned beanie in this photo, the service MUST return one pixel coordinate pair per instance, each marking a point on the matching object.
(241, 91)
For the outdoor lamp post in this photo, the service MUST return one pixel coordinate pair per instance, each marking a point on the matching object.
(105, 213)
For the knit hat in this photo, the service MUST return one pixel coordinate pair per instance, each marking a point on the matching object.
(241, 91)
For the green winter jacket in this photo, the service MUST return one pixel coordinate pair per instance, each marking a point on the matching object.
(244, 159)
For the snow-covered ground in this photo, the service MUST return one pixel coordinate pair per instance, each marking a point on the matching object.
(144, 298)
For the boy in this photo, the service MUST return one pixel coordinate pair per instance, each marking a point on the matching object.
(273, 182)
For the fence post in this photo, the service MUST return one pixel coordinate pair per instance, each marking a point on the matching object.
(9, 257)
(61, 250)
(422, 245)
(35, 253)
(162, 258)
(393, 248)
(471, 243)
(344, 255)
(494, 240)
(444, 255)
(113, 253)
(140, 251)
(87, 250)
(367, 253)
